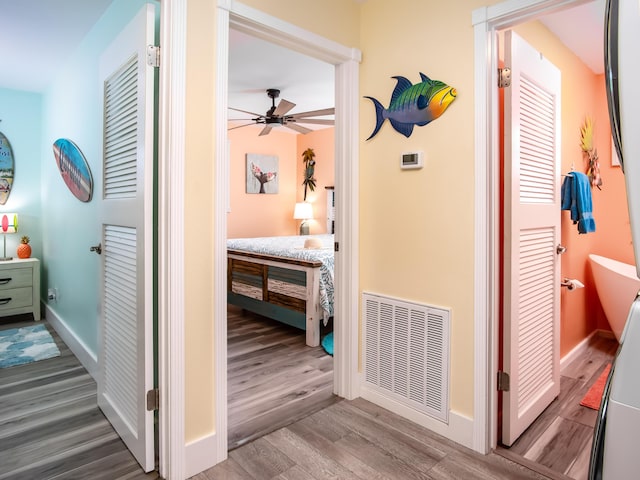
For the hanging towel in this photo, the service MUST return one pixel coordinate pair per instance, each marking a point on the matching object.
(576, 197)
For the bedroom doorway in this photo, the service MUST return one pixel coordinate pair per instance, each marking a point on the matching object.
(276, 374)
(345, 62)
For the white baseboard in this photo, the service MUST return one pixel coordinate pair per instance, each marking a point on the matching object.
(201, 455)
(87, 358)
(579, 348)
(459, 429)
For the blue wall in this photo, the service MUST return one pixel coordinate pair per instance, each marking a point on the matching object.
(72, 108)
(21, 115)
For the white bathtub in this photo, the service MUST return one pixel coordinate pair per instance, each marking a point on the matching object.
(617, 285)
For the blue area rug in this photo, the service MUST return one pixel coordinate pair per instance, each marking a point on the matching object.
(25, 345)
(327, 343)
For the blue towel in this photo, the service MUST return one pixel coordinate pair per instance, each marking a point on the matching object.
(576, 197)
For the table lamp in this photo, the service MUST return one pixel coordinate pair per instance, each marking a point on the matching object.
(8, 224)
(304, 212)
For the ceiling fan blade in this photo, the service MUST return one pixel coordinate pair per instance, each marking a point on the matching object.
(315, 113)
(315, 121)
(244, 111)
(265, 130)
(240, 126)
(283, 107)
(297, 128)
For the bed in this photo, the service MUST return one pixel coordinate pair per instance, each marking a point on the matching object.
(278, 278)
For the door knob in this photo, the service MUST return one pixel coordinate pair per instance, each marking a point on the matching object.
(96, 248)
(560, 249)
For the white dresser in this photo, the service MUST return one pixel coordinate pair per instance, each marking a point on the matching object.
(20, 287)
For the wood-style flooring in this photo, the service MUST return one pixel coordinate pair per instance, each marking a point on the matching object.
(273, 377)
(51, 426)
(357, 440)
(558, 443)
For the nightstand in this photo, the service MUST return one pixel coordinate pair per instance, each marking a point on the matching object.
(20, 287)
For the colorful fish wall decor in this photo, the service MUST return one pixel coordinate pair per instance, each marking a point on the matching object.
(412, 105)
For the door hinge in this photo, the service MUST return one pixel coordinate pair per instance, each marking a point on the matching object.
(504, 77)
(153, 400)
(503, 381)
(153, 56)
(336, 247)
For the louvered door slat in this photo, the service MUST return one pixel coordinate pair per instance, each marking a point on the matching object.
(126, 351)
(531, 277)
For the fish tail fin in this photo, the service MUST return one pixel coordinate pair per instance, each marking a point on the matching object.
(379, 116)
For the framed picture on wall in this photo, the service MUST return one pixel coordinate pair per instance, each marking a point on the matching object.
(615, 161)
(262, 173)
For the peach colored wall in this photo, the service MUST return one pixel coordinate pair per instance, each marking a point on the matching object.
(322, 143)
(262, 215)
(583, 95)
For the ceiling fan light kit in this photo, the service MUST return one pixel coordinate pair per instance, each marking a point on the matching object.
(277, 116)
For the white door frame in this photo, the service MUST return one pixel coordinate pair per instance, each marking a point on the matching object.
(171, 158)
(486, 22)
(266, 27)
(171, 361)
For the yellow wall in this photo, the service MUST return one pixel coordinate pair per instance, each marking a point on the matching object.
(198, 220)
(417, 226)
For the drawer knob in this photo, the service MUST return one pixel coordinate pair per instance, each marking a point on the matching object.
(4, 301)
(4, 281)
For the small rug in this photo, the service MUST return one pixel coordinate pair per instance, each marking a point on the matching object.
(25, 345)
(594, 395)
(327, 343)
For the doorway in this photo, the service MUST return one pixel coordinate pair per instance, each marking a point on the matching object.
(277, 373)
(488, 195)
(346, 62)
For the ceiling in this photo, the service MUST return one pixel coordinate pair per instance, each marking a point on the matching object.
(42, 32)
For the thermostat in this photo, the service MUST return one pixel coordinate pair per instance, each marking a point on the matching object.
(412, 160)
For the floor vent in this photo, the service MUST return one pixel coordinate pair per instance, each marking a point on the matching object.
(406, 353)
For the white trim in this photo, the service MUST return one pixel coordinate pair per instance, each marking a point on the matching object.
(346, 60)
(198, 456)
(346, 380)
(459, 427)
(486, 22)
(171, 156)
(222, 194)
(83, 353)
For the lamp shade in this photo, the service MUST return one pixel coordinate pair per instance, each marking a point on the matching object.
(303, 211)
(8, 222)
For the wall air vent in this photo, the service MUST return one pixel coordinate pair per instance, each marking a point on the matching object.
(406, 353)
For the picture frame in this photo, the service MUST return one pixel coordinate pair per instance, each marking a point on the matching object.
(615, 160)
(262, 173)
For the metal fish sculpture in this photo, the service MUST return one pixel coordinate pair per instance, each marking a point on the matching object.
(412, 105)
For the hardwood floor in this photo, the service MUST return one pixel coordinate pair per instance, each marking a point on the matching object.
(274, 378)
(51, 426)
(559, 441)
(359, 440)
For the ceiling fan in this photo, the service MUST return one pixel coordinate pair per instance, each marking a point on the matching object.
(277, 115)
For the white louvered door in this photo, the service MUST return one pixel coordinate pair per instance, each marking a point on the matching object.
(531, 346)
(126, 325)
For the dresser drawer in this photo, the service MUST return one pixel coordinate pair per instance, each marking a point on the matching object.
(15, 298)
(15, 277)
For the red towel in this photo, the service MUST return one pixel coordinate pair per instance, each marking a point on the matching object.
(594, 395)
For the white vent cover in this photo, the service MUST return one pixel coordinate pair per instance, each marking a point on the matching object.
(406, 353)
